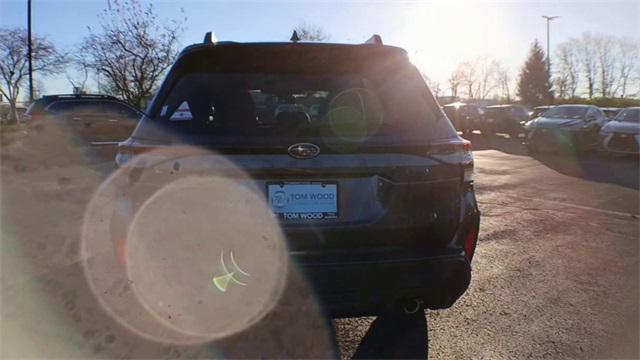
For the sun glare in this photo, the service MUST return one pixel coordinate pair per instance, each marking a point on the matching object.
(439, 35)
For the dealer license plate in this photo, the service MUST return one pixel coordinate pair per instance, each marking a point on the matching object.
(303, 200)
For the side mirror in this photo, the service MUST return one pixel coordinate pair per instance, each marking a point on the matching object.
(590, 118)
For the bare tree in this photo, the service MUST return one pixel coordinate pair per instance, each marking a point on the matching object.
(502, 79)
(13, 62)
(561, 86)
(604, 47)
(477, 76)
(310, 32)
(455, 81)
(485, 71)
(568, 68)
(78, 81)
(132, 49)
(466, 71)
(586, 50)
(628, 55)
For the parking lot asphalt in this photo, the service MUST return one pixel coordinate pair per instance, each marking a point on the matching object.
(555, 273)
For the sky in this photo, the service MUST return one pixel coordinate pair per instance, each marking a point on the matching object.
(437, 34)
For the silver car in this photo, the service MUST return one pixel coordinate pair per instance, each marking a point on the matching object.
(570, 127)
(622, 134)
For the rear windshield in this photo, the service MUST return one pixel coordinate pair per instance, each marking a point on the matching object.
(35, 108)
(273, 107)
(92, 107)
(629, 115)
(519, 111)
(566, 112)
(467, 110)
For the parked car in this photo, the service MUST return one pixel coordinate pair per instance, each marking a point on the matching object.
(538, 110)
(571, 127)
(610, 112)
(465, 117)
(622, 134)
(507, 119)
(399, 220)
(88, 118)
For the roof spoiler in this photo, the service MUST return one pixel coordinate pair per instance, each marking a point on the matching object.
(375, 39)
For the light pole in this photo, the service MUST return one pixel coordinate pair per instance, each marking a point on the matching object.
(29, 50)
(548, 18)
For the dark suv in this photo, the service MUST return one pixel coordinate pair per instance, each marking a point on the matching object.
(504, 119)
(346, 145)
(88, 118)
(465, 117)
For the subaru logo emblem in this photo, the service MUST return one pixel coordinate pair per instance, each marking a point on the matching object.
(304, 151)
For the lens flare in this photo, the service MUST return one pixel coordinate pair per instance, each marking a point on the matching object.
(200, 258)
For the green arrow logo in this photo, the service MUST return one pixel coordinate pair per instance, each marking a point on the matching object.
(222, 282)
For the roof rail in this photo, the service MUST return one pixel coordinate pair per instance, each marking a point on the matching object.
(77, 96)
(209, 38)
(294, 37)
(375, 39)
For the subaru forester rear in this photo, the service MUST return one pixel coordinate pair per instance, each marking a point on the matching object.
(367, 177)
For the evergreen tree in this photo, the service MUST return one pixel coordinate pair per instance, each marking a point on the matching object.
(534, 84)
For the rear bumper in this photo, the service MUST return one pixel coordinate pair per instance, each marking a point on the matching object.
(363, 269)
(365, 286)
(368, 281)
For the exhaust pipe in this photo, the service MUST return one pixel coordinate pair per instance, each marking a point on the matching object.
(412, 306)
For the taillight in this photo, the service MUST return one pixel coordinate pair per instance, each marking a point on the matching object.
(452, 151)
(470, 243)
(33, 117)
(455, 151)
(467, 176)
(125, 153)
(467, 167)
(129, 148)
(466, 146)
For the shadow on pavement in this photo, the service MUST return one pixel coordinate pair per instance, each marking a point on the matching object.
(618, 170)
(622, 170)
(395, 335)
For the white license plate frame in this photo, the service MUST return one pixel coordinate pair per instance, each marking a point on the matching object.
(303, 200)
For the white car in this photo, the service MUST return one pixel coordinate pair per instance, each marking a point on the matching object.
(622, 133)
